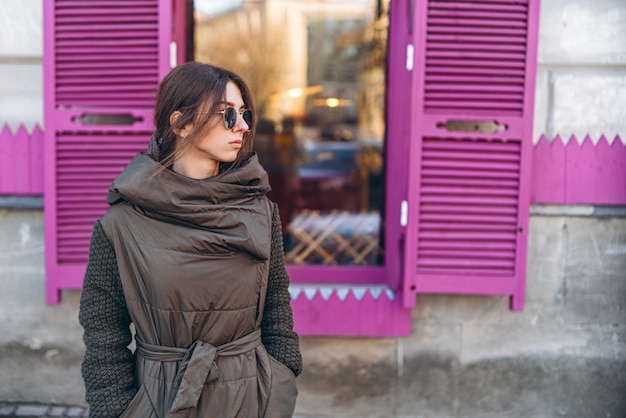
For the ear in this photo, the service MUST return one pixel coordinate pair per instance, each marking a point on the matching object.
(180, 132)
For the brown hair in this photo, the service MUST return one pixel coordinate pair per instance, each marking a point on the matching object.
(189, 89)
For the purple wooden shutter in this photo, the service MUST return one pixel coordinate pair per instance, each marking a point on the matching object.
(471, 143)
(102, 64)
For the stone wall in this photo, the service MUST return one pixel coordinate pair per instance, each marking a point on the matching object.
(581, 73)
(21, 51)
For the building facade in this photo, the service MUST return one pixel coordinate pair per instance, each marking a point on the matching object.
(443, 355)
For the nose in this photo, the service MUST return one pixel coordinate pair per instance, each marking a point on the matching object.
(241, 124)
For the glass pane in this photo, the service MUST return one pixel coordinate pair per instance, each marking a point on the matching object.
(317, 71)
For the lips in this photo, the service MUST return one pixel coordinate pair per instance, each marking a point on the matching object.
(237, 143)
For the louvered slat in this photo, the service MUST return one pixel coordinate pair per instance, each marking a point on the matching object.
(106, 56)
(475, 57)
(103, 60)
(468, 196)
(99, 46)
(468, 206)
(86, 166)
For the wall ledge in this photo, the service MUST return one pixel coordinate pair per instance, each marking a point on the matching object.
(21, 202)
(592, 211)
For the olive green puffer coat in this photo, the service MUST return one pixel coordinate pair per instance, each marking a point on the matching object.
(197, 267)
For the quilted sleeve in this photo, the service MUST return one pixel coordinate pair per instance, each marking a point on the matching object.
(107, 366)
(279, 338)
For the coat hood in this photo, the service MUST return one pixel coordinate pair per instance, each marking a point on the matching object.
(233, 205)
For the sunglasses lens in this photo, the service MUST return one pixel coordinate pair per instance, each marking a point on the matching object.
(230, 117)
(247, 116)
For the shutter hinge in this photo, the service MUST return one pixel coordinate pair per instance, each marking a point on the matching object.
(404, 213)
(409, 57)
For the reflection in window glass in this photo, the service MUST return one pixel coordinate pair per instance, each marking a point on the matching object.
(317, 72)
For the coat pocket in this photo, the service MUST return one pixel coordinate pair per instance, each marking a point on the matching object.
(281, 402)
(141, 406)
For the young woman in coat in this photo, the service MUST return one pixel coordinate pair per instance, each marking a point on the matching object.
(190, 252)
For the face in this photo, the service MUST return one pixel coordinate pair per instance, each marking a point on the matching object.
(220, 144)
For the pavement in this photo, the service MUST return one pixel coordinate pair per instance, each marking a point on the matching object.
(35, 410)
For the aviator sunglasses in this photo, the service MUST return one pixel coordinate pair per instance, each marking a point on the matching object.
(230, 116)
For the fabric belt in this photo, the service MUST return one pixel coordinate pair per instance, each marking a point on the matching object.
(197, 362)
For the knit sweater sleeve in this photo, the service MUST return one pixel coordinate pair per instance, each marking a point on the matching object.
(279, 338)
(107, 366)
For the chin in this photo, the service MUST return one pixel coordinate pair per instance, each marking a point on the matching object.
(229, 159)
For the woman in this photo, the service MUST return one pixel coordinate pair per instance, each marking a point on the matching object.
(190, 252)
